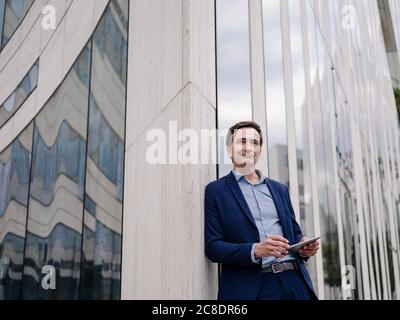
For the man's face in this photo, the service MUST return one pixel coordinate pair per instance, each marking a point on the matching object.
(245, 149)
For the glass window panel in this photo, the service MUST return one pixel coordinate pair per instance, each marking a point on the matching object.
(333, 22)
(90, 206)
(347, 193)
(9, 104)
(322, 102)
(15, 11)
(368, 217)
(275, 92)
(2, 9)
(385, 198)
(324, 167)
(57, 190)
(111, 37)
(101, 256)
(20, 94)
(302, 139)
(379, 186)
(16, 7)
(233, 70)
(15, 162)
(300, 108)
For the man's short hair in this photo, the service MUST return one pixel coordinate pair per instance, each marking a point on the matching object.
(241, 125)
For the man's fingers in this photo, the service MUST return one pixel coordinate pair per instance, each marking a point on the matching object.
(279, 238)
(278, 244)
(312, 247)
(310, 250)
(277, 247)
(282, 250)
(277, 254)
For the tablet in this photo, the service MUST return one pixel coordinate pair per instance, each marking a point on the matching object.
(300, 245)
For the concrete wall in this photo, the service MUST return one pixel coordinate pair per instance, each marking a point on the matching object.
(171, 77)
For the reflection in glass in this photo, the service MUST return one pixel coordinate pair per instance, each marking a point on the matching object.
(383, 168)
(15, 11)
(101, 256)
(369, 227)
(15, 162)
(334, 21)
(386, 149)
(275, 94)
(233, 70)
(379, 272)
(302, 140)
(324, 167)
(347, 190)
(56, 194)
(20, 94)
(2, 8)
(110, 38)
(300, 108)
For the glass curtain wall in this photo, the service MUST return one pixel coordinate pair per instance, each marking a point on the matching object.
(233, 71)
(14, 13)
(2, 11)
(297, 19)
(62, 183)
(339, 82)
(101, 251)
(15, 163)
(19, 95)
(275, 93)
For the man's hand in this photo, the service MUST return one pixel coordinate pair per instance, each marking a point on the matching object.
(272, 246)
(309, 250)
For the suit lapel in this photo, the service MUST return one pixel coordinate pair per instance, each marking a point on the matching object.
(276, 196)
(234, 186)
(279, 207)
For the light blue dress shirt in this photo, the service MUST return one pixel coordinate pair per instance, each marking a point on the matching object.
(259, 200)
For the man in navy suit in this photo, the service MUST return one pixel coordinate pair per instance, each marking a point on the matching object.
(249, 225)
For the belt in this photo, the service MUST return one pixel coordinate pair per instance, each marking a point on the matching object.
(280, 267)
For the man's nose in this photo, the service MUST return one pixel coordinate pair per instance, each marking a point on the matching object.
(249, 146)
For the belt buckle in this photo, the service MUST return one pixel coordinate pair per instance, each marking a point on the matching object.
(278, 267)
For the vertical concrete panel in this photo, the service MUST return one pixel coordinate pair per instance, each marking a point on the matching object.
(199, 47)
(171, 79)
(163, 253)
(155, 60)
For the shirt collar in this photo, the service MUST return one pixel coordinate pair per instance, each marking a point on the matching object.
(239, 176)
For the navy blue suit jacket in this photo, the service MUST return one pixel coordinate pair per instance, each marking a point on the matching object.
(230, 232)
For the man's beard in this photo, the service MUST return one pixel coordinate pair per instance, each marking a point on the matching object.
(246, 168)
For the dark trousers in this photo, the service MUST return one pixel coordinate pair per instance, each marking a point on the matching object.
(287, 285)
